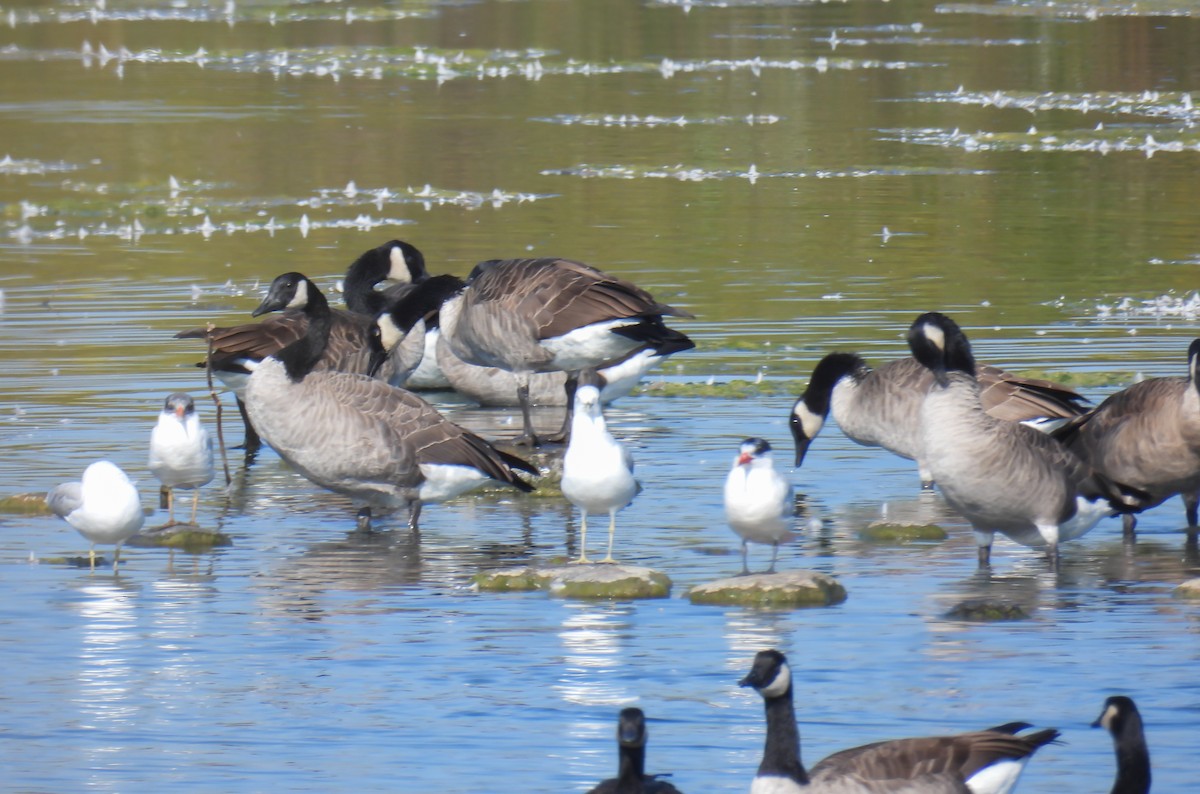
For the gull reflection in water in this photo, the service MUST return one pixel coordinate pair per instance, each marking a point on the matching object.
(107, 703)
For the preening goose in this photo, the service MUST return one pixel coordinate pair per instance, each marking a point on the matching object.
(597, 469)
(104, 507)
(1120, 718)
(1147, 436)
(631, 746)
(381, 446)
(395, 261)
(547, 315)
(1002, 476)
(181, 454)
(881, 407)
(238, 348)
(980, 762)
(759, 501)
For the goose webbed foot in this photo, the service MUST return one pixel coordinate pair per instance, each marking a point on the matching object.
(363, 520)
(414, 517)
(985, 557)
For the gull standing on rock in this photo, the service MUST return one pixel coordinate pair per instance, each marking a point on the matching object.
(759, 503)
(181, 454)
(104, 507)
(597, 469)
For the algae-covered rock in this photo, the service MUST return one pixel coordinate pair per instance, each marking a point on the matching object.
(595, 580)
(782, 589)
(893, 532)
(987, 610)
(29, 504)
(1189, 589)
(186, 537)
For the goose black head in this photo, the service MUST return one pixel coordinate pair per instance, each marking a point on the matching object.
(288, 291)
(395, 261)
(1118, 712)
(770, 675)
(938, 344)
(810, 411)
(424, 301)
(631, 728)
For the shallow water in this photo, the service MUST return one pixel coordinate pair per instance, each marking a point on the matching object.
(801, 177)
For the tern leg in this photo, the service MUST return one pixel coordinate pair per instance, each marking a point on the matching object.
(195, 504)
(583, 558)
(612, 528)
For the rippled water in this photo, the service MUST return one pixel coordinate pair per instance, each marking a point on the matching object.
(801, 177)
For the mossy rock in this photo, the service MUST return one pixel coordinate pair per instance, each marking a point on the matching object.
(595, 580)
(27, 504)
(772, 590)
(186, 537)
(891, 532)
(987, 610)
(1189, 590)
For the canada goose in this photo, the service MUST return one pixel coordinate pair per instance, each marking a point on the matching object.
(494, 386)
(880, 407)
(597, 469)
(631, 746)
(406, 326)
(181, 454)
(759, 503)
(979, 762)
(238, 348)
(395, 261)
(104, 507)
(546, 315)
(1147, 436)
(1121, 718)
(355, 435)
(1002, 476)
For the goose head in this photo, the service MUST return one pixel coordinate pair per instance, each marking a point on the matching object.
(938, 344)
(812, 408)
(631, 728)
(770, 675)
(287, 291)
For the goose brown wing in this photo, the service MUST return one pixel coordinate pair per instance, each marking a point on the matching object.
(1015, 399)
(560, 295)
(955, 757)
(414, 422)
(347, 349)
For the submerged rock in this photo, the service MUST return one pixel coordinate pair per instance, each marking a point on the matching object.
(896, 532)
(594, 580)
(987, 610)
(1189, 589)
(187, 537)
(782, 589)
(30, 504)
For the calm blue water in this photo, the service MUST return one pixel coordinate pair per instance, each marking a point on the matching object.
(154, 189)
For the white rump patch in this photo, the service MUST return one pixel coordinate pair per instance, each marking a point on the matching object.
(590, 345)
(445, 481)
(999, 778)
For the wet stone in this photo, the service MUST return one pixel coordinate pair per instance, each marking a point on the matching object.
(987, 610)
(781, 589)
(31, 504)
(894, 532)
(1189, 589)
(187, 537)
(594, 580)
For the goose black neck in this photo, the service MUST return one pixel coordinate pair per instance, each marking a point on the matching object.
(1194, 364)
(300, 357)
(633, 764)
(781, 754)
(359, 285)
(825, 377)
(1133, 758)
